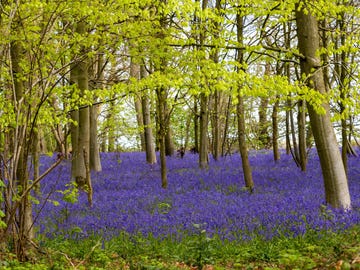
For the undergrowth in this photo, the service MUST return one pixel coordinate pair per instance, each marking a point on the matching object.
(314, 250)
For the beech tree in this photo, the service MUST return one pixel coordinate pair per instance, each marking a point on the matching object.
(335, 180)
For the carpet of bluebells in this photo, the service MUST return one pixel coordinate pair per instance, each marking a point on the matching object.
(128, 198)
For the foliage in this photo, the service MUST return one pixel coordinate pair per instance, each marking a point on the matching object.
(324, 250)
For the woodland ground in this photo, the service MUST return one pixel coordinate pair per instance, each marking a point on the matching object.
(205, 219)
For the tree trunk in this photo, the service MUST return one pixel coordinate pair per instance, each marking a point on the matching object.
(302, 135)
(275, 131)
(169, 143)
(161, 99)
(264, 138)
(149, 138)
(140, 121)
(196, 126)
(20, 150)
(216, 145)
(95, 161)
(110, 128)
(81, 146)
(204, 116)
(135, 73)
(335, 181)
(148, 130)
(249, 183)
(342, 70)
(226, 126)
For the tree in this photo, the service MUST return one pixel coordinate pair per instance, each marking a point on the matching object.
(148, 130)
(249, 183)
(80, 130)
(335, 180)
(204, 102)
(27, 86)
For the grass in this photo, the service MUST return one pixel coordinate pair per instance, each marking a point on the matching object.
(314, 250)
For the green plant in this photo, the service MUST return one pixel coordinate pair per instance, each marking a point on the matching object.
(200, 248)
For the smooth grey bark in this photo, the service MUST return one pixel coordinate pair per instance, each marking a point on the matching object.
(135, 73)
(140, 121)
(149, 138)
(95, 160)
(148, 130)
(79, 75)
(335, 180)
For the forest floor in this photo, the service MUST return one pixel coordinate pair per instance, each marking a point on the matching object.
(340, 251)
(203, 220)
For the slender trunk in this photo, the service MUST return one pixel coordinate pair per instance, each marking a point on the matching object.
(148, 130)
(335, 180)
(95, 161)
(302, 135)
(275, 131)
(203, 151)
(249, 183)
(161, 99)
(24, 234)
(287, 132)
(35, 154)
(169, 143)
(263, 137)
(217, 95)
(187, 132)
(342, 70)
(110, 128)
(149, 138)
(293, 137)
(226, 127)
(135, 73)
(216, 145)
(140, 121)
(204, 106)
(196, 126)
